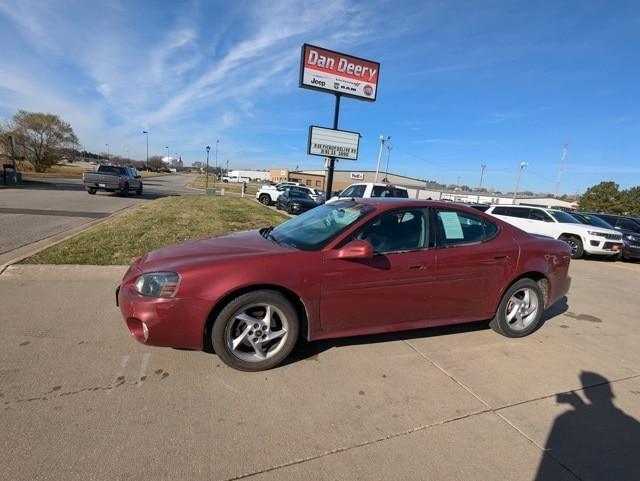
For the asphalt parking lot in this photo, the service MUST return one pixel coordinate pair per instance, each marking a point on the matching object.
(80, 399)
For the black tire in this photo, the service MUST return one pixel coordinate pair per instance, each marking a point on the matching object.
(139, 190)
(510, 328)
(577, 249)
(278, 205)
(92, 190)
(227, 321)
(264, 199)
(125, 189)
(289, 211)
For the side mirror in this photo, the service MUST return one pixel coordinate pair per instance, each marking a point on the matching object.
(356, 249)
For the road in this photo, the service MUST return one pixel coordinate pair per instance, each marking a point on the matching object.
(80, 399)
(38, 210)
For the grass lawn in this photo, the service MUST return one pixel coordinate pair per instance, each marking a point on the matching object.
(170, 220)
(233, 187)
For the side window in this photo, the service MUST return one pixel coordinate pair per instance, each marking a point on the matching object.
(501, 211)
(403, 194)
(348, 192)
(459, 228)
(399, 231)
(358, 190)
(628, 225)
(377, 191)
(536, 214)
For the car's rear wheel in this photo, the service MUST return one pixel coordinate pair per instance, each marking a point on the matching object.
(520, 311)
(577, 249)
(265, 199)
(92, 190)
(125, 189)
(255, 331)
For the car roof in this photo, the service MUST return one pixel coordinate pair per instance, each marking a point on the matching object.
(384, 203)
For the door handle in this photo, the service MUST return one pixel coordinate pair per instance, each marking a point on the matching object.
(416, 266)
(499, 258)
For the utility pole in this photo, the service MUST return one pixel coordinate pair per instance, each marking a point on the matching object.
(482, 167)
(227, 169)
(107, 153)
(383, 139)
(563, 159)
(515, 192)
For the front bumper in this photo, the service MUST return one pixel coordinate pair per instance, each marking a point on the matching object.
(174, 322)
(630, 251)
(602, 246)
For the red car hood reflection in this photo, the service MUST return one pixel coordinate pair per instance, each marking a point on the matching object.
(210, 249)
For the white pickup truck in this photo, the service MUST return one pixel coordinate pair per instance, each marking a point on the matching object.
(268, 194)
(366, 190)
(561, 225)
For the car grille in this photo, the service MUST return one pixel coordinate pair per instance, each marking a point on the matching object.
(615, 237)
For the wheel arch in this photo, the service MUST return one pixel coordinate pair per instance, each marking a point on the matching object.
(538, 277)
(295, 299)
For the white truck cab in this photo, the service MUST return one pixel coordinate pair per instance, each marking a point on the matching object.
(563, 226)
(366, 190)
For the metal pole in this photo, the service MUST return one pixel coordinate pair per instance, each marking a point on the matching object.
(207, 171)
(386, 171)
(146, 134)
(382, 140)
(107, 153)
(332, 160)
(515, 192)
(482, 167)
(217, 141)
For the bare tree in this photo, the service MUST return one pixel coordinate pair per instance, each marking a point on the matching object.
(43, 137)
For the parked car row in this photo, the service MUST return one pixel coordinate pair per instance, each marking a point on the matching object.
(586, 233)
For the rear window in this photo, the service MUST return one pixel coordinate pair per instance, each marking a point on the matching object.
(386, 191)
(111, 169)
(456, 228)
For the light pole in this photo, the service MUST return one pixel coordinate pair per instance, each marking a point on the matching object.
(217, 141)
(107, 153)
(515, 192)
(386, 171)
(482, 167)
(168, 158)
(146, 134)
(383, 139)
(206, 183)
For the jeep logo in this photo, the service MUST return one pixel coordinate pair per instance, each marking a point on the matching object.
(319, 83)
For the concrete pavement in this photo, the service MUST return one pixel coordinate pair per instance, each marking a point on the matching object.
(80, 399)
(47, 207)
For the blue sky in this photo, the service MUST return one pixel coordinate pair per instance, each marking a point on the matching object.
(462, 83)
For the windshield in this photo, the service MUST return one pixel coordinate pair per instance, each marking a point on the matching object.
(298, 194)
(592, 220)
(315, 228)
(563, 217)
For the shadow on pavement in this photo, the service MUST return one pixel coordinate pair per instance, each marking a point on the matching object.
(593, 440)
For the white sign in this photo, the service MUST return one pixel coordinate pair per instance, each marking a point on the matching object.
(356, 175)
(338, 73)
(333, 143)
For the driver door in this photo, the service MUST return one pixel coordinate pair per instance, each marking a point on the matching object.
(392, 288)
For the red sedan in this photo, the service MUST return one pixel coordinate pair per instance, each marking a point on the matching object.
(346, 268)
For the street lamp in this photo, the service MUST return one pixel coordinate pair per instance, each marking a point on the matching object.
(146, 133)
(107, 153)
(386, 171)
(217, 141)
(207, 172)
(383, 139)
(515, 192)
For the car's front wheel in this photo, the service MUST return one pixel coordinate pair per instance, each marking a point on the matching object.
(265, 199)
(255, 331)
(520, 311)
(577, 249)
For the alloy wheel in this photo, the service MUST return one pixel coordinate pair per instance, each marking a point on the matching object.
(522, 309)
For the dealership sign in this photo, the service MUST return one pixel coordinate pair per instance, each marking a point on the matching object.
(333, 143)
(334, 72)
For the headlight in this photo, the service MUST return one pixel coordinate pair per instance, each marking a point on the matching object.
(596, 233)
(632, 237)
(158, 284)
(295, 206)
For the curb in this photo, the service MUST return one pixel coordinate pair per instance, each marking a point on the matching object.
(42, 244)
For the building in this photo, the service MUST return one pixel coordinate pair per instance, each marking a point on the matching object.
(417, 188)
(259, 175)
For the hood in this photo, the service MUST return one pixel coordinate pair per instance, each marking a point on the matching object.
(584, 228)
(208, 250)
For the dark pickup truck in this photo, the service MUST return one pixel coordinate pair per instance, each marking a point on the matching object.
(113, 178)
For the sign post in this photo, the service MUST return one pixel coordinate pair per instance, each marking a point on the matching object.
(341, 75)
